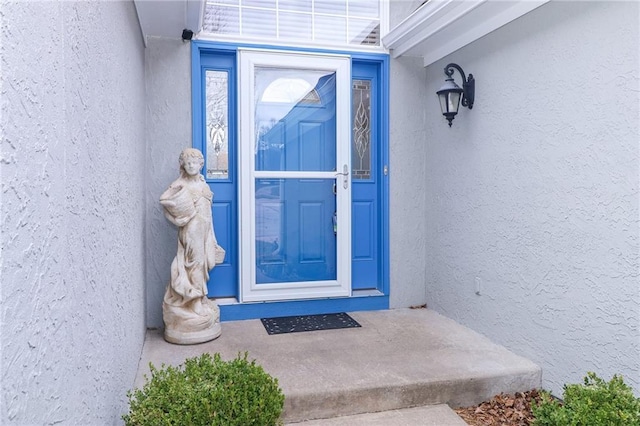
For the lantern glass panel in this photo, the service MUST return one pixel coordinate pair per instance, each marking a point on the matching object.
(443, 102)
(453, 101)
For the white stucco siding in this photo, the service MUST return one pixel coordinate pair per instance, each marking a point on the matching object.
(168, 81)
(407, 182)
(400, 9)
(535, 191)
(72, 168)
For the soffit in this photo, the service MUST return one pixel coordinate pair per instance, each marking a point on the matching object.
(167, 18)
(440, 27)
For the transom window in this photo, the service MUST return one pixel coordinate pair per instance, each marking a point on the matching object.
(330, 22)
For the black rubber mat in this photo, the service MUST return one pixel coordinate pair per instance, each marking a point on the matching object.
(301, 323)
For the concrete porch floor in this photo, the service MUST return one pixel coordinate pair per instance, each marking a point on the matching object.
(398, 359)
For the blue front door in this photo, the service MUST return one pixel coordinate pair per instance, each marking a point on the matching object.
(295, 154)
(295, 238)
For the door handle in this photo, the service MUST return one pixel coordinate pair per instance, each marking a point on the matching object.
(345, 176)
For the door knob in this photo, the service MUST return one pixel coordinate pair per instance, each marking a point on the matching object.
(345, 176)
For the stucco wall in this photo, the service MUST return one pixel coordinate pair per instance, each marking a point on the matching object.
(535, 191)
(407, 182)
(401, 9)
(407, 178)
(168, 116)
(72, 168)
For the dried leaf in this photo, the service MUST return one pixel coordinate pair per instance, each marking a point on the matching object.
(502, 410)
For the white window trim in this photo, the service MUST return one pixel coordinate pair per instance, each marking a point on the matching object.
(441, 27)
(289, 43)
(234, 38)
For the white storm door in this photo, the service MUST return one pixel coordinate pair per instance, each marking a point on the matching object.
(295, 183)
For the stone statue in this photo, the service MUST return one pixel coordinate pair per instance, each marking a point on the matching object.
(189, 316)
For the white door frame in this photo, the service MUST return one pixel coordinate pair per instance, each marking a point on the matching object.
(341, 65)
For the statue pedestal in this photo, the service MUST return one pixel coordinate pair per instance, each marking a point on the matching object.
(192, 337)
(186, 325)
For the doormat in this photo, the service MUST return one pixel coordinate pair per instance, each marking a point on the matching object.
(301, 323)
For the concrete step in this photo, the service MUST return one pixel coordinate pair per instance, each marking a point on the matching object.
(398, 359)
(431, 415)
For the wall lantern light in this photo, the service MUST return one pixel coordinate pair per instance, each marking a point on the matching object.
(450, 93)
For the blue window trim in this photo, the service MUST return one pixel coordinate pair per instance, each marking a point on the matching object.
(241, 311)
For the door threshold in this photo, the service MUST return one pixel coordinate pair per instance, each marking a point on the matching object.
(361, 300)
(223, 301)
(367, 292)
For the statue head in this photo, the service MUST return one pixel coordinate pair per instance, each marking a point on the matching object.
(190, 154)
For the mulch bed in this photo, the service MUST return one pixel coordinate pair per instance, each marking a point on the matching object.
(502, 410)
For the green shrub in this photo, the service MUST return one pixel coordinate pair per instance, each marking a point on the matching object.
(594, 403)
(207, 391)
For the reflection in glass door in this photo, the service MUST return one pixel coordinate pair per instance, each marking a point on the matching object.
(295, 186)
